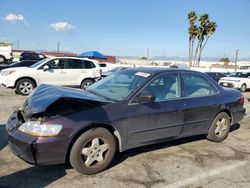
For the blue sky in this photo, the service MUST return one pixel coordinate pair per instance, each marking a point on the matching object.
(124, 27)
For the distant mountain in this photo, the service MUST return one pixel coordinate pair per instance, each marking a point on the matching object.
(177, 58)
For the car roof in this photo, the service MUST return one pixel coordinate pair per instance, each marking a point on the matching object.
(71, 57)
(157, 70)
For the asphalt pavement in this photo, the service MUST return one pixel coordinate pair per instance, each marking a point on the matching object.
(190, 162)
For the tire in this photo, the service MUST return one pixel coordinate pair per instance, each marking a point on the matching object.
(93, 151)
(25, 86)
(2, 59)
(243, 88)
(86, 83)
(219, 128)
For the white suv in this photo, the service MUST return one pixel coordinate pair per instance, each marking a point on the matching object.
(237, 80)
(65, 71)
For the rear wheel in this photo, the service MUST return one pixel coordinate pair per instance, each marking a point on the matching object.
(2, 59)
(219, 128)
(86, 83)
(25, 86)
(93, 151)
(243, 88)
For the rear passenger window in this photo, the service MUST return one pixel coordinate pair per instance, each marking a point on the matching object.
(75, 64)
(197, 85)
(88, 65)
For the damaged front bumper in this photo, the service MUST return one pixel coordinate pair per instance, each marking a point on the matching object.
(32, 149)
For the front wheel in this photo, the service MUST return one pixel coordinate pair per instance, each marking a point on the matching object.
(86, 83)
(2, 59)
(93, 151)
(25, 86)
(219, 128)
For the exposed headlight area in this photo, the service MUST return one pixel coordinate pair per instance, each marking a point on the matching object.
(6, 72)
(36, 128)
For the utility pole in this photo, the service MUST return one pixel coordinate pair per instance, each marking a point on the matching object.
(58, 47)
(17, 44)
(147, 53)
(236, 59)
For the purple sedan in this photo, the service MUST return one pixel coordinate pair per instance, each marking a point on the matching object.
(128, 109)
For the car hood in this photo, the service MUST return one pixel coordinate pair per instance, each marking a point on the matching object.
(17, 68)
(45, 95)
(107, 73)
(229, 78)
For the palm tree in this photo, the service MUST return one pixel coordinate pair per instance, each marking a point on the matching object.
(192, 30)
(193, 33)
(210, 29)
(204, 20)
(202, 32)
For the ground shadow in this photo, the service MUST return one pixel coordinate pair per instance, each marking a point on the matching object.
(144, 149)
(234, 127)
(35, 176)
(3, 137)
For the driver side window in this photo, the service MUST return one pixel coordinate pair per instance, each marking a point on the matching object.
(55, 64)
(164, 87)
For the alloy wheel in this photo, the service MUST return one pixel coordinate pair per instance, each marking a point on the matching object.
(221, 127)
(94, 152)
(87, 84)
(25, 87)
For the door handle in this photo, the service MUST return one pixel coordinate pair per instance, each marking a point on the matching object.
(177, 110)
(62, 72)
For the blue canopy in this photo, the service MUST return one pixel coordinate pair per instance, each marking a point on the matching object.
(92, 54)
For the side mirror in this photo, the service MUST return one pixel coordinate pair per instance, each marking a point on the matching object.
(46, 67)
(145, 97)
(249, 77)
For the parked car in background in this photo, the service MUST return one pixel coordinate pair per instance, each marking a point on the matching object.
(24, 63)
(104, 67)
(65, 71)
(107, 73)
(179, 66)
(5, 54)
(31, 56)
(216, 75)
(128, 109)
(237, 80)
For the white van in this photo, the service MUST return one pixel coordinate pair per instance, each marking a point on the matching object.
(5, 54)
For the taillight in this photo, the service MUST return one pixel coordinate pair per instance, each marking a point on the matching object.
(242, 100)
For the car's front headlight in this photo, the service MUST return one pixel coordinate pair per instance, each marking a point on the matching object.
(7, 72)
(35, 128)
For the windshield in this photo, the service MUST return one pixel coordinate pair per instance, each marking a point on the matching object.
(240, 74)
(116, 69)
(39, 63)
(120, 85)
(14, 63)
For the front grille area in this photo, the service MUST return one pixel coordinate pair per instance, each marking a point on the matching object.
(226, 84)
(22, 117)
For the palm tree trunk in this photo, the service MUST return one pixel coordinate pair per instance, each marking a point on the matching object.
(192, 51)
(199, 56)
(190, 63)
(201, 49)
(205, 43)
(195, 55)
